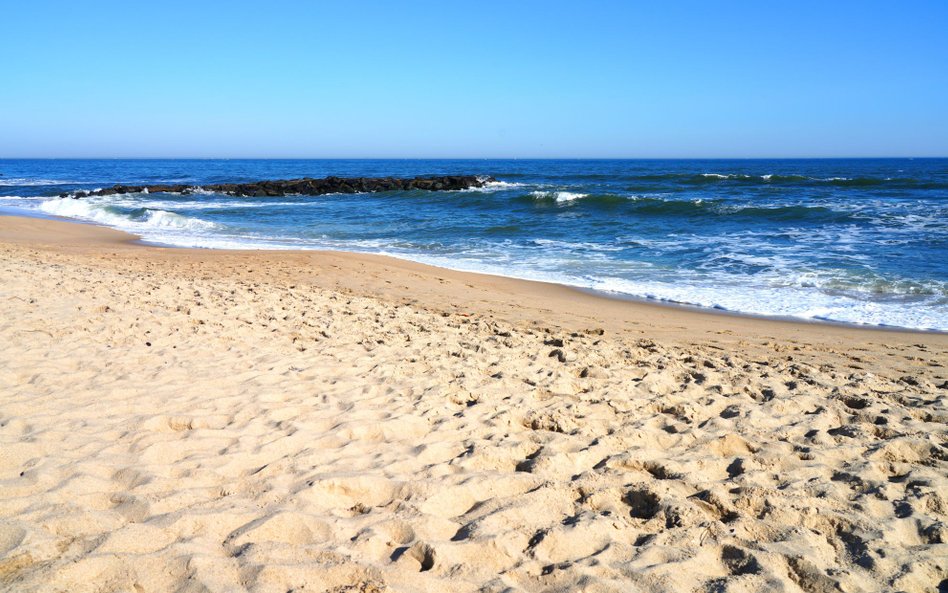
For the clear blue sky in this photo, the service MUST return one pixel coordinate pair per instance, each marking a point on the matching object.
(473, 79)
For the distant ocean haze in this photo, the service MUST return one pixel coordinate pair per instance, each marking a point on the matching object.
(861, 241)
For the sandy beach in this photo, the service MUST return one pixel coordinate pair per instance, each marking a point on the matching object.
(219, 421)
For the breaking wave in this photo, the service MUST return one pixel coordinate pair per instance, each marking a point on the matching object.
(136, 219)
(558, 196)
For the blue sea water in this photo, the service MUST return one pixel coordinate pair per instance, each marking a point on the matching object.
(862, 241)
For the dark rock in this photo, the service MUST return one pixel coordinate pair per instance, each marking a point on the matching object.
(306, 186)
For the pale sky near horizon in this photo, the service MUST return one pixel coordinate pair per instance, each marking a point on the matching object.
(473, 80)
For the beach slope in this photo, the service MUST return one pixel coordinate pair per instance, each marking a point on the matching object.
(197, 420)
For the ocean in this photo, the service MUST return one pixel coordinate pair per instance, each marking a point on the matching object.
(860, 241)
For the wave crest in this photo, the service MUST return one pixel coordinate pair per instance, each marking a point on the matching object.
(136, 219)
(558, 196)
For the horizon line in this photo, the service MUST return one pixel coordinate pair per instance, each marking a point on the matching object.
(424, 158)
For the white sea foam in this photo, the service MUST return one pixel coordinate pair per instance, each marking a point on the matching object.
(729, 175)
(99, 212)
(503, 184)
(559, 196)
(780, 301)
(576, 245)
(165, 219)
(492, 186)
(770, 176)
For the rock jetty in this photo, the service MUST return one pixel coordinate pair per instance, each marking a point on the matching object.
(306, 186)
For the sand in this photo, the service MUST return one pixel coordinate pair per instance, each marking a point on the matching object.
(196, 420)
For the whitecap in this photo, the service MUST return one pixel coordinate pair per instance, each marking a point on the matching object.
(492, 186)
(559, 196)
(101, 213)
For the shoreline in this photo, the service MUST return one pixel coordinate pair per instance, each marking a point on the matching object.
(685, 308)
